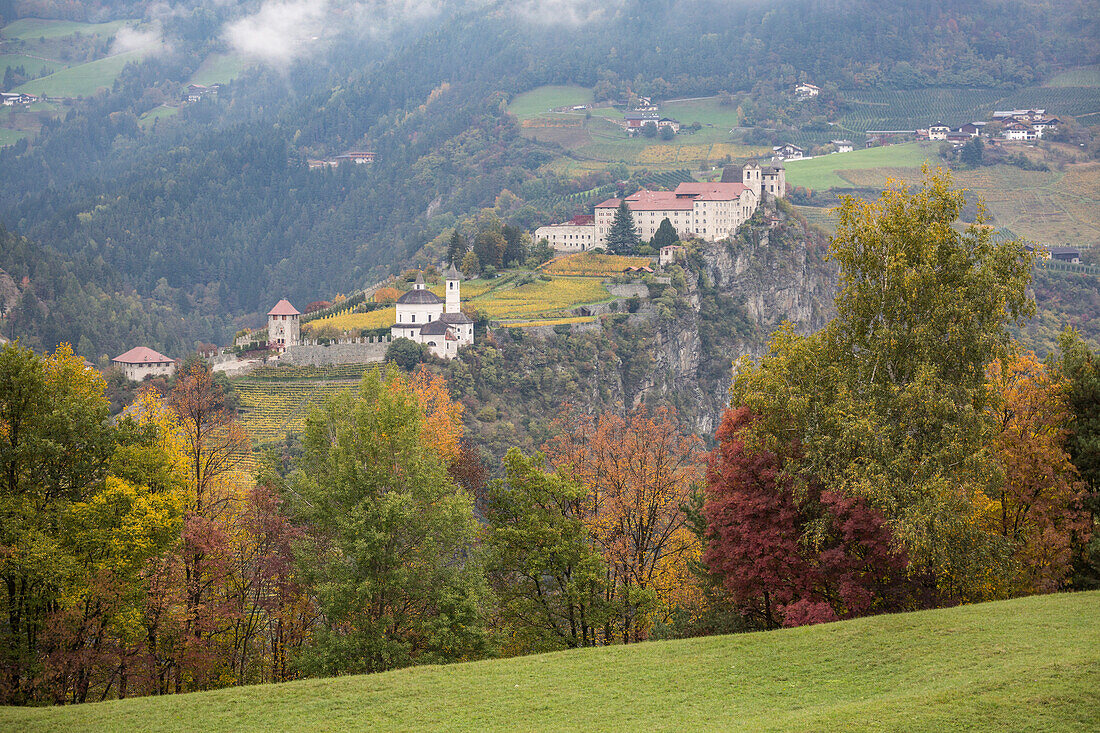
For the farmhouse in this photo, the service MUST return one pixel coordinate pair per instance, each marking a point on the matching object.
(1025, 114)
(973, 129)
(141, 362)
(283, 326)
(1061, 254)
(359, 157)
(576, 235)
(195, 92)
(787, 151)
(843, 146)
(636, 119)
(1016, 130)
(10, 99)
(805, 91)
(428, 319)
(938, 131)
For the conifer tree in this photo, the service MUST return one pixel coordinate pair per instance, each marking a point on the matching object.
(623, 238)
(665, 235)
(457, 247)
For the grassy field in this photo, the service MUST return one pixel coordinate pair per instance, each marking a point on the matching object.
(157, 113)
(82, 80)
(218, 68)
(1023, 665)
(704, 111)
(825, 171)
(30, 64)
(540, 100)
(31, 29)
(10, 137)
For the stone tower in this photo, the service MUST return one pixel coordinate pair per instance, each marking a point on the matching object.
(751, 177)
(283, 327)
(454, 289)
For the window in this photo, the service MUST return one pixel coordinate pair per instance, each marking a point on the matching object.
(414, 318)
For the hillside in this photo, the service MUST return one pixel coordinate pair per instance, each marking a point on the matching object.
(1026, 664)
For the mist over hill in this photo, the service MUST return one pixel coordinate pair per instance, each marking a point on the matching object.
(207, 216)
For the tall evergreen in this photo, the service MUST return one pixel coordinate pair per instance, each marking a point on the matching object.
(665, 235)
(457, 247)
(623, 238)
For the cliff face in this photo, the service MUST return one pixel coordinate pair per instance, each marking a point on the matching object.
(677, 350)
(740, 293)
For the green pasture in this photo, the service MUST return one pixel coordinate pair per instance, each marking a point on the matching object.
(1030, 664)
(822, 172)
(157, 113)
(31, 29)
(82, 80)
(32, 65)
(542, 99)
(10, 137)
(704, 111)
(218, 68)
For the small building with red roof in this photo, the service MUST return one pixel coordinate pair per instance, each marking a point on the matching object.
(141, 362)
(283, 325)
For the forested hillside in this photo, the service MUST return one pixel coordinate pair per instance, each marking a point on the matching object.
(205, 217)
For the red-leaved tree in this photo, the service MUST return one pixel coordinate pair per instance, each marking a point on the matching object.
(757, 531)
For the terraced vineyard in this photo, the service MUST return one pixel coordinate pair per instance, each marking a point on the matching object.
(883, 109)
(587, 264)
(542, 298)
(271, 409)
(328, 372)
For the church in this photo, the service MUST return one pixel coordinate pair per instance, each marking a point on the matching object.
(428, 319)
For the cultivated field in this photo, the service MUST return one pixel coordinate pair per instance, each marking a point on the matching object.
(359, 321)
(541, 298)
(587, 264)
(829, 171)
(1028, 664)
(1085, 76)
(270, 409)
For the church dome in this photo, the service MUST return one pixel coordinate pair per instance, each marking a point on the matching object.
(419, 297)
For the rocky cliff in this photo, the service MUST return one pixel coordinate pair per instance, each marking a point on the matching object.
(722, 302)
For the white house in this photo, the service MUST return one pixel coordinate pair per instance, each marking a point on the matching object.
(938, 131)
(805, 91)
(787, 151)
(141, 362)
(843, 146)
(576, 235)
(428, 319)
(1014, 130)
(283, 326)
(670, 254)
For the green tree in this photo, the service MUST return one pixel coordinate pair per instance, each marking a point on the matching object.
(623, 238)
(471, 265)
(405, 353)
(457, 247)
(887, 402)
(548, 576)
(56, 444)
(665, 235)
(667, 133)
(972, 151)
(392, 552)
(489, 246)
(1081, 368)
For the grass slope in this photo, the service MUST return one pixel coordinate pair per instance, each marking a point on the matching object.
(822, 172)
(30, 29)
(1026, 664)
(543, 99)
(82, 80)
(219, 68)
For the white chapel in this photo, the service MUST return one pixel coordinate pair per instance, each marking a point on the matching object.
(428, 319)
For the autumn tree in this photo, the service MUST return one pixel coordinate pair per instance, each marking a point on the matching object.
(888, 403)
(547, 574)
(1038, 506)
(215, 445)
(757, 527)
(638, 472)
(391, 542)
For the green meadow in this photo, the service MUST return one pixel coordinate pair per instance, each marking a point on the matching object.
(822, 172)
(1028, 664)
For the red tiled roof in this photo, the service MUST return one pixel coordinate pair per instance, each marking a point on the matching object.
(142, 355)
(715, 190)
(582, 219)
(682, 198)
(284, 308)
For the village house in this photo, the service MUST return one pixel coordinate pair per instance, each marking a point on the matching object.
(788, 151)
(315, 164)
(805, 91)
(576, 235)
(428, 319)
(670, 254)
(1071, 255)
(1025, 115)
(359, 157)
(141, 362)
(283, 326)
(973, 129)
(1016, 130)
(195, 92)
(10, 99)
(843, 146)
(938, 131)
